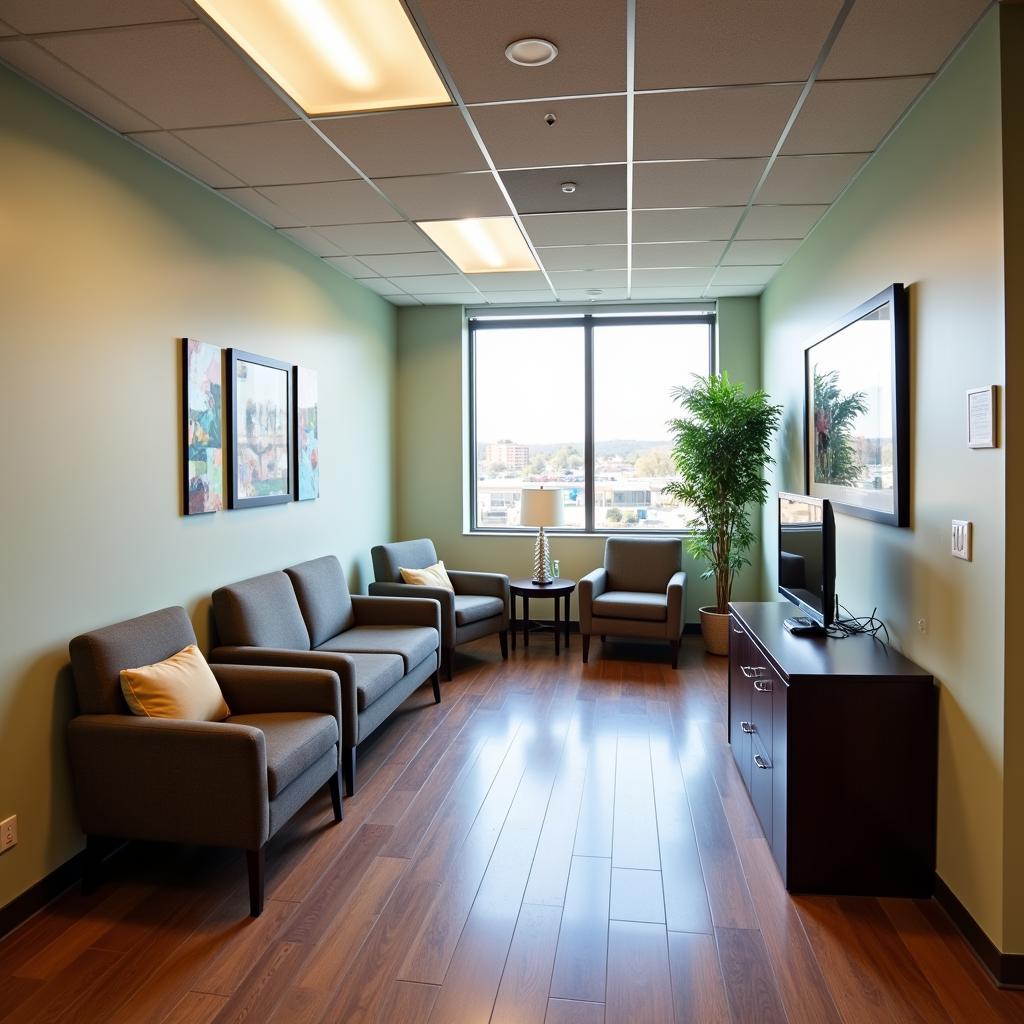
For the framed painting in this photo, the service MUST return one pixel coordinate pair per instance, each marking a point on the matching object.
(202, 420)
(259, 429)
(307, 435)
(857, 401)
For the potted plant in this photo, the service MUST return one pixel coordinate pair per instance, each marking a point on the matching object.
(721, 449)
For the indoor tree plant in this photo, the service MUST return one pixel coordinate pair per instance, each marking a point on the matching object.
(721, 449)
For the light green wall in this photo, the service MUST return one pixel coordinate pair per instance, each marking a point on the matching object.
(927, 211)
(432, 446)
(108, 257)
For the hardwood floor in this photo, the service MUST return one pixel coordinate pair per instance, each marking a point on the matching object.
(553, 843)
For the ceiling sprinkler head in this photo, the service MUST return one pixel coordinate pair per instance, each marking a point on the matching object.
(550, 119)
(568, 187)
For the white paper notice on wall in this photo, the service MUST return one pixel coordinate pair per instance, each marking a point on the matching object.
(981, 417)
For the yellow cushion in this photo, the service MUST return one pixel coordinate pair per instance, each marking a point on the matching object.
(432, 576)
(180, 687)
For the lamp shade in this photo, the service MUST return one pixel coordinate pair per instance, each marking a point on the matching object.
(541, 507)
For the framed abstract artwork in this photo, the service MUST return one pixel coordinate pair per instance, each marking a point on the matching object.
(307, 435)
(857, 402)
(202, 419)
(259, 429)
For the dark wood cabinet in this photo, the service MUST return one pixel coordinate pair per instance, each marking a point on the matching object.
(837, 743)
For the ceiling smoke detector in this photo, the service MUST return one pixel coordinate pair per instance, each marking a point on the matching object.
(531, 53)
(568, 187)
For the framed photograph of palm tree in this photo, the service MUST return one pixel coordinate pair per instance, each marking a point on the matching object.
(857, 401)
(259, 429)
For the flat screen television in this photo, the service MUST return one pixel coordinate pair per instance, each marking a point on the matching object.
(807, 560)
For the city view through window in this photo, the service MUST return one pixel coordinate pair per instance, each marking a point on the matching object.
(531, 425)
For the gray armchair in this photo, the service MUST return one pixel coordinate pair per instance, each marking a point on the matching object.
(640, 592)
(231, 783)
(479, 606)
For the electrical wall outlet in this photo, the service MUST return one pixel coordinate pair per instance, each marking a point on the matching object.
(962, 539)
(8, 832)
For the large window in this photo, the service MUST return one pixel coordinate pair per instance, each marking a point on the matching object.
(581, 403)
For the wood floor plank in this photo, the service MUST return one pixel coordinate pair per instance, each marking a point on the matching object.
(195, 1008)
(264, 984)
(637, 896)
(639, 979)
(65, 996)
(597, 805)
(581, 957)
(408, 1002)
(635, 830)
(526, 979)
(573, 1011)
(747, 972)
(14, 991)
(698, 991)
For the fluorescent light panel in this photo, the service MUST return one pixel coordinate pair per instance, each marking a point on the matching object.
(335, 56)
(484, 245)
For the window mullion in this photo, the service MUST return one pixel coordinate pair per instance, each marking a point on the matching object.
(588, 405)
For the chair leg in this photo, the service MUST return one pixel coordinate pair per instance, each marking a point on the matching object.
(93, 861)
(256, 861)
(674, 644)
(604, 639)
(334, 784)
(586, 647)
(348, 768)
(503, 640)
(435, 682)
(449, 662)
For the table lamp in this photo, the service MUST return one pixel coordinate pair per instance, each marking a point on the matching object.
(541, 508)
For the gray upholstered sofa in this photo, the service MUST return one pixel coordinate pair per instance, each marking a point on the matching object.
(640, 592)
(231, 783)
(381, 648)
(479, 606)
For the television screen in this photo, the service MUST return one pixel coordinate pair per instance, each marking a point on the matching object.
(807, 555)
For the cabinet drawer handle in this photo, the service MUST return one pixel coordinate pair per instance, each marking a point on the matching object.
(763, 685)
(761, 762)
(751, 672)
(747, 727)
(738, 632)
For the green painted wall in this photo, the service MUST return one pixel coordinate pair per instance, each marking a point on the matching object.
(432, 478)
(927, 211)
(107, 258)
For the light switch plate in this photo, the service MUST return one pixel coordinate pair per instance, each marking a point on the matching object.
(8, 832)
(962, 539)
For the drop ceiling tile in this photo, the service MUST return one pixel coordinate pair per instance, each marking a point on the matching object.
(729, 291)
(600, 187)
(695, 183)
(32, 16)
(471, 38)
(587, 131)
(583, 295)
(249, 199)
(589, 279)
(45, 69)
(780, 221)
(744, 275)
(446, 196)
(6, 30)
(331, 202)
(700, 224)
(410, 264)
(175, 151)
(850, 117)
(382, 286)
(712, 122)
(513, 298)
(276, 153)
(759, 253)
(576, 228)
(912, 37)
(584, 257)
(403, 300)
(507, 281)
(696, 277)
(708, 42)
(665, 293)
(431, 140)
(178, 75)
(459, 299)
(351, 266)
(678, 254)
(435, 284)
(810, 179)
(313, 241)
(378, 239)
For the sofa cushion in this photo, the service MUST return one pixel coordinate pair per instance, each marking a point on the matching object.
(323, 596)
(296, 740)
(413, 643)
(628, 604)
(260, 612)
(470, 608)
(413, 554)
(642, 563)
(375, 674)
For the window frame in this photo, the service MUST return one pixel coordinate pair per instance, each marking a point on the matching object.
(588, 321)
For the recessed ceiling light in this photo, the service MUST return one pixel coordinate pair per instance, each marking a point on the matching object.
(482, 245)
(335, 56)
(531, 53)
(568, 187)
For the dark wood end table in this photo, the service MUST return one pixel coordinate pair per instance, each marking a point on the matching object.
(526, 589)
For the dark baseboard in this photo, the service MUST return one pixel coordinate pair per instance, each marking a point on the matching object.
(1007, 969)
(690, 629)
(47, 889)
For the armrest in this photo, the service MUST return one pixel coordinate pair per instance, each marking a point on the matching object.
(255, 689)
(170, 781)
(676, 617)
(420, 610)
(480, 584)
(592, 585)
(445, 598)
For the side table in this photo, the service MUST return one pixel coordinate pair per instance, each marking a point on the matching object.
(557, 589)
